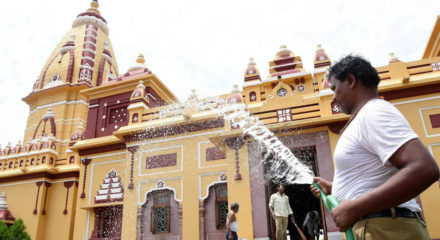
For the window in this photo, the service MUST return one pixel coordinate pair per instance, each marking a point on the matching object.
(21, 163)
(51, 160)
(10, 164)
(32, 161)
(72, 159)
(284, 115)
(160, 212)
(221, 205)
(43, 159)
(252, 96)
(135, 118)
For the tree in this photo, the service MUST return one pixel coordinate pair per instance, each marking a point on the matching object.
(3, 230)
(15, 232)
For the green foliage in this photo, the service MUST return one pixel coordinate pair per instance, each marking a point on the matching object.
(16, 231)
(3, 230)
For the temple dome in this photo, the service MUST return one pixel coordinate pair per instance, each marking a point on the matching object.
(83, 56)
(251, 72)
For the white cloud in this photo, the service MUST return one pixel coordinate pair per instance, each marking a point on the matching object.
(205, 45)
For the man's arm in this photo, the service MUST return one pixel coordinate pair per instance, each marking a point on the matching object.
(412, 159)
(271, 205)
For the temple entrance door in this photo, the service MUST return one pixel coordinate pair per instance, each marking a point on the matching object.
(301, 199)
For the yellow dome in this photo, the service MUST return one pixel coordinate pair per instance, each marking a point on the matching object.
(83, 56)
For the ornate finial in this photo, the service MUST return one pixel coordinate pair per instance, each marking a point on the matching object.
(393, 58)
(319, 47)
(235, 89)
(94, 5)
(140, 59)
(3, 203)
(141, 84)
(48, 114)
(283, 50)
(251, 61)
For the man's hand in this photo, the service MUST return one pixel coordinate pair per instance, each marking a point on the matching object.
(292, 218)
(230, 235)
(324, 184)
(346, 214)
(273, 216)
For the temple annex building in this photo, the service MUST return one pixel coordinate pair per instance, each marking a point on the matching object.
(104, 157)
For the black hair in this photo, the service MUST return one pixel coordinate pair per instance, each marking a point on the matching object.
(234, 206)
(279, 185)
(359, 67)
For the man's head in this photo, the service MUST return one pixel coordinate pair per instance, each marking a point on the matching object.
(352, 78)
(234, 207)
(312, 215)
(280, 188)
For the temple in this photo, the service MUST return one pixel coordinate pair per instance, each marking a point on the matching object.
(115, 155)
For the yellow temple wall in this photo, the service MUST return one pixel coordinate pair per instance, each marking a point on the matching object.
(21, 197)
(417, 111)
(97, 170)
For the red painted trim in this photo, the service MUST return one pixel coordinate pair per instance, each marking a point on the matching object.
(214, 154)
(169, 131)
(45, 71)
(160, 161)
(71, 66)
(435, 120)
(38, 194)
(100, 72)
(411, 92)
(108, 148)
(39, 175)
(47, 184)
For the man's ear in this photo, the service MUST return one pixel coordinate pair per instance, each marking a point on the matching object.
(351, 80)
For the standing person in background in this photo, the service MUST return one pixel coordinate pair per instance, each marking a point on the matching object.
(280, 210)
(312, 223)
(380, 163)
(231, 223)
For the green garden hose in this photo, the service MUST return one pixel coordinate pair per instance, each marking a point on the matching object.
(331, 202)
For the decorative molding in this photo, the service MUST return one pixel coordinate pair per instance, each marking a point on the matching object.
(236, 143)
(176, 130)
(132, 150)
(47, 184)
(107, 148)
(38, 194)
(85, 161)
(156, 150)
(67, 185)
(58, 103)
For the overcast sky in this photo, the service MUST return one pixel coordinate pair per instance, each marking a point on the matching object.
(205, 45)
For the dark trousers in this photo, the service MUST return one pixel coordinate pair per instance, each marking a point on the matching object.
(234, 235)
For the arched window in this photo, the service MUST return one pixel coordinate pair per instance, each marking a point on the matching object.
(32, 161)
(10, 164)
(43, 159)
(51, 160)
(21, 163)
(221, 205)
(1, 165)
(72, 159)
(160, 212)
(252, 96)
